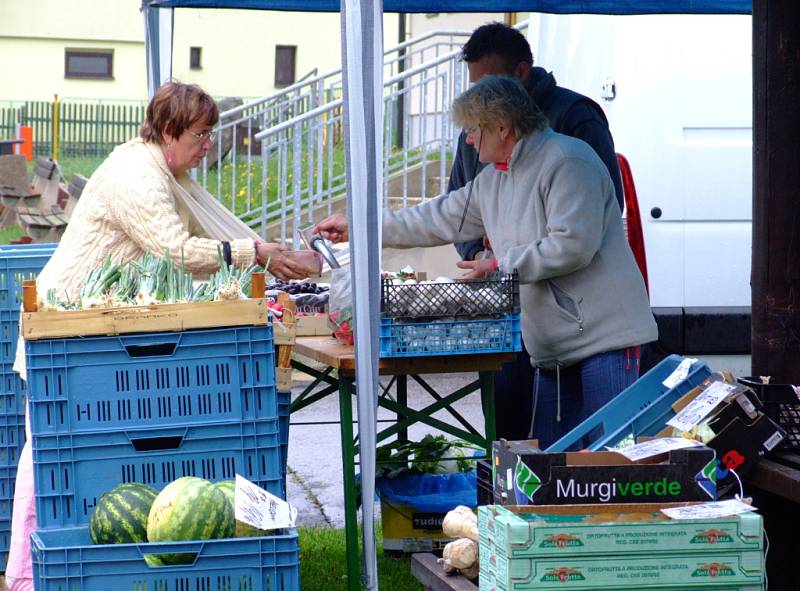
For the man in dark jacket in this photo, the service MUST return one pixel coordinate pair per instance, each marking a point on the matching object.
(496, 48)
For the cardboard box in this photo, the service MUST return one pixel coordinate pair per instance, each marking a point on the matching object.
(683, 571)
(524, 475)
(406, 530)
(585, 530)
(311, 326)
(743, 433)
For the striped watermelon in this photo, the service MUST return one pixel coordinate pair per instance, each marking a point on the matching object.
(120, 516)
(243, 530)
(190, 508)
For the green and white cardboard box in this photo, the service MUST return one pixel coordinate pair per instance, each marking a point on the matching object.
(579, 530)
(487, 582)
(689, 571)
(523, 475)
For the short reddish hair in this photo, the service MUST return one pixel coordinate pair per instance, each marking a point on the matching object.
(174, 108)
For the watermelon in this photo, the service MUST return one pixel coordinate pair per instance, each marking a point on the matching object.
(243, 530)
(121, 514)
(190, 508)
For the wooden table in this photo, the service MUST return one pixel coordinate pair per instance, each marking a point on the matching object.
(427, 570)
(774, 485)
(338, 375)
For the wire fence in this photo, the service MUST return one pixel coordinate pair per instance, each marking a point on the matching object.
(84, 129)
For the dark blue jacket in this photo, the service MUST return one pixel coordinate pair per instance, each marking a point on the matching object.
(569, 113)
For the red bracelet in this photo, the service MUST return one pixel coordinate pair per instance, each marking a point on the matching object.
(495, 264)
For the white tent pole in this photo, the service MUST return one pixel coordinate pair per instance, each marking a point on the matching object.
(158, 37)
(362, 60)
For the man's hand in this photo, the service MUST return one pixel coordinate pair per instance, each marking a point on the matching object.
(333, 228)
(477, 269)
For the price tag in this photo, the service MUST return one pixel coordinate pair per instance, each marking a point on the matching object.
(655, 447)
(708, 510)
(680, 373)
(699, 408)
(255, 506)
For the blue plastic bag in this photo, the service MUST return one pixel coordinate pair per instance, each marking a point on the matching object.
(430, 493)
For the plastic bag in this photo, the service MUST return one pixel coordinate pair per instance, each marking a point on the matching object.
(340, 306)
(430, 493)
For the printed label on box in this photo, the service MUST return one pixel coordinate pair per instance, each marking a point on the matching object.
(654, 447)
(255, 506)
(681, 373)
(700, 407)
(708, 510)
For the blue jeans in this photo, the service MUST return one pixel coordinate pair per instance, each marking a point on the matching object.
(585, 388)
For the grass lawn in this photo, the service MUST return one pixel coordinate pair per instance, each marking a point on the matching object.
(323, 563)
(10, 233)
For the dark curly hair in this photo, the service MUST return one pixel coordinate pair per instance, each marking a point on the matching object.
(174, 108)
(501, 41)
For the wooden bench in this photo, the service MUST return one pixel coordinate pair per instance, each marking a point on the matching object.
(428, 571)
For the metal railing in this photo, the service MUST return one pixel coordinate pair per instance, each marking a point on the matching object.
(279, 162)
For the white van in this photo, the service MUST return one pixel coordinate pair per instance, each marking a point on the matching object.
(677, 90)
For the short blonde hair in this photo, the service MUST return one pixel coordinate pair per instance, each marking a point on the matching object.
(496, 101)
(174, 108)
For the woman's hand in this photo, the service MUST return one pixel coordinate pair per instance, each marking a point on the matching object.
(271, 254)
(333, 228)
(477, 269)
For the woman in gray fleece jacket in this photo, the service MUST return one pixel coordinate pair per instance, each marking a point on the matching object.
(549, 210)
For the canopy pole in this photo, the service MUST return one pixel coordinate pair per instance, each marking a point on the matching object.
(362, 60)
(159, 24)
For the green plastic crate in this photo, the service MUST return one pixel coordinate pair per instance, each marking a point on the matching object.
(655, 571)
(513, 533)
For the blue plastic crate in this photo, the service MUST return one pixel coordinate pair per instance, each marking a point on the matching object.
(642, 409)
(72, 471)
(450, 337)
(9, 335)
(16, 268)
(66, 560)
(12, 438)
(5, 542)
(142, 381)
(23, 249)
(8, 477)
(12, 391)
(284, 404)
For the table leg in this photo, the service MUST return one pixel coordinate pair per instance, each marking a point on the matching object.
(349, 476)
(402, 399)
(487, 400)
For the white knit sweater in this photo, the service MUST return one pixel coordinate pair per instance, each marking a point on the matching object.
(127, 209)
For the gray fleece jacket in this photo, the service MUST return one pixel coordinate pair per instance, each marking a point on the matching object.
(581, 292)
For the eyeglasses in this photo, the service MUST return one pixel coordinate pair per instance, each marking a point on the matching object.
(471, 130)
(206, 135)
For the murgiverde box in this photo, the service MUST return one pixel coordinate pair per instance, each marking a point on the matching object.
(683, 571)
(525, 475)
(582, 530)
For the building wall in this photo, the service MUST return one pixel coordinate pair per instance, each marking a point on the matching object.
(237, 55)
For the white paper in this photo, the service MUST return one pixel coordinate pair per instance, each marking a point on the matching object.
(255, 506)
(655, 447)
(708, 510)
(699, 408)
(680, 373)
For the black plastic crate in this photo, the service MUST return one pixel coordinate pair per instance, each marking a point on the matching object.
(485, 482)
(497, 295)
(782, 405)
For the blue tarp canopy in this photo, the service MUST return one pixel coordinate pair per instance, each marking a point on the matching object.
(551, 6)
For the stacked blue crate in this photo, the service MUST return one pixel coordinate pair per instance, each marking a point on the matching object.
(450, 317)
(152, 408)
(17, 263)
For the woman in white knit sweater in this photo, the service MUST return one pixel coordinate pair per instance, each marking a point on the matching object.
(128, 208)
